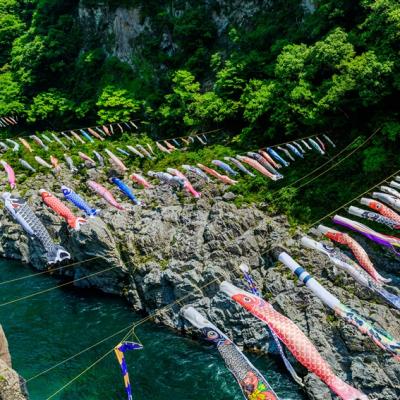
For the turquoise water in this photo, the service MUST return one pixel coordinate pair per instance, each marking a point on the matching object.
(47, 329)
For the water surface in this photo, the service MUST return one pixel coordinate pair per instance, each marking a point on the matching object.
(47, 329)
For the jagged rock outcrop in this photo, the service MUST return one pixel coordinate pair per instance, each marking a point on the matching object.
(176, 248)
(11, 384)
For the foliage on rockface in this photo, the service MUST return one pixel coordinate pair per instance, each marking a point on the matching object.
(284, 72)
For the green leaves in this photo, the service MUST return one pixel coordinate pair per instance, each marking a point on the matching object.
(116, 105)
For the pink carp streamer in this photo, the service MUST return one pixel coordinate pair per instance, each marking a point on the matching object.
(187, 185)
(359, 253)
(392, 242)
(223, 178)
(10, 174)
(256, 165)
(294, 339)
(106, 194)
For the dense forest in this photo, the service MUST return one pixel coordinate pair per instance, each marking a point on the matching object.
(287, 71)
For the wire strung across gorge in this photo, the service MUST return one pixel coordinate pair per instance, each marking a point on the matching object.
(49, 271)
(29, 296)
(131, 328)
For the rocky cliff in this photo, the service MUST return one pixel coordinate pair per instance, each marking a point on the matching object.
(119, 28)
(177, 248)
(11, 384)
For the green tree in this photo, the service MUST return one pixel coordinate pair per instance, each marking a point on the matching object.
(116, 105)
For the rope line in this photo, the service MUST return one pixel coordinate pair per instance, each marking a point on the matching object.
(49, 271)
(29, 296)
(340, 161)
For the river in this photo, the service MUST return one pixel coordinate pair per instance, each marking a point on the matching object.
(46, 329)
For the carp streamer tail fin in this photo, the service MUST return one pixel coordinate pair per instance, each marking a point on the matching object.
(57, 254)
(76, 222)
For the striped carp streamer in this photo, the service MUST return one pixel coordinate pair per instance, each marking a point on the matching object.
(381, 209)
(270, 159)
(257, 166)
(119, 351)
(39, 142)
(239, 165)
(197, 171)
(138, 179)
(99, 158)
(68, 138)
(252, 287)
(294, 150)
(135, 151)
(144, 151)
(10, 174)
(260, 159)
(345, 263)
(23, 214)
(55, 163)
(88, 161)
(105, 193)
(390, 190)
(359, 253)
(77, 201)
(187, 185)
(26, 165)
(252, 383)
(162, 148)
(59, 141)
(277, 157)
(287, 153)
(95, 134)
(328, 139)
(391, 242)
(299, 147)
(62, 210)
(169, 145)
(374, 217)
(306, 145)
(294, 339)
(122, 151)
(380, 337)
(14, 144)
(225, 167)
(167, 178)
(42, 162)
(86, 136)
(395, 184)
(46, 138)
(321, 143)
(316, 146)
(70, 163)
(77, 137)
(223, 178)
(8, 121)
(116, 161)
(392, 201)
(126, 190)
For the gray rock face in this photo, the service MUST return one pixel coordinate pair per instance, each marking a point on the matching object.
(12, 386)
(176, 250)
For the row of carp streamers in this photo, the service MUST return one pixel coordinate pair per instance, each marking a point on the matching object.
(8, 121)
(251, 381)
(266, 161)
(253, 385)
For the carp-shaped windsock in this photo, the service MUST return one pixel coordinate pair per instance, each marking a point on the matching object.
(380, 337)
(294, 339)
(345, 263)
(251, 381)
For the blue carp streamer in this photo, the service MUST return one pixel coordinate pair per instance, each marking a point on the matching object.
(120, 350)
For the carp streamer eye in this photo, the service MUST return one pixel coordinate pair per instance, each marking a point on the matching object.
(247, 299)
(212, 335)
